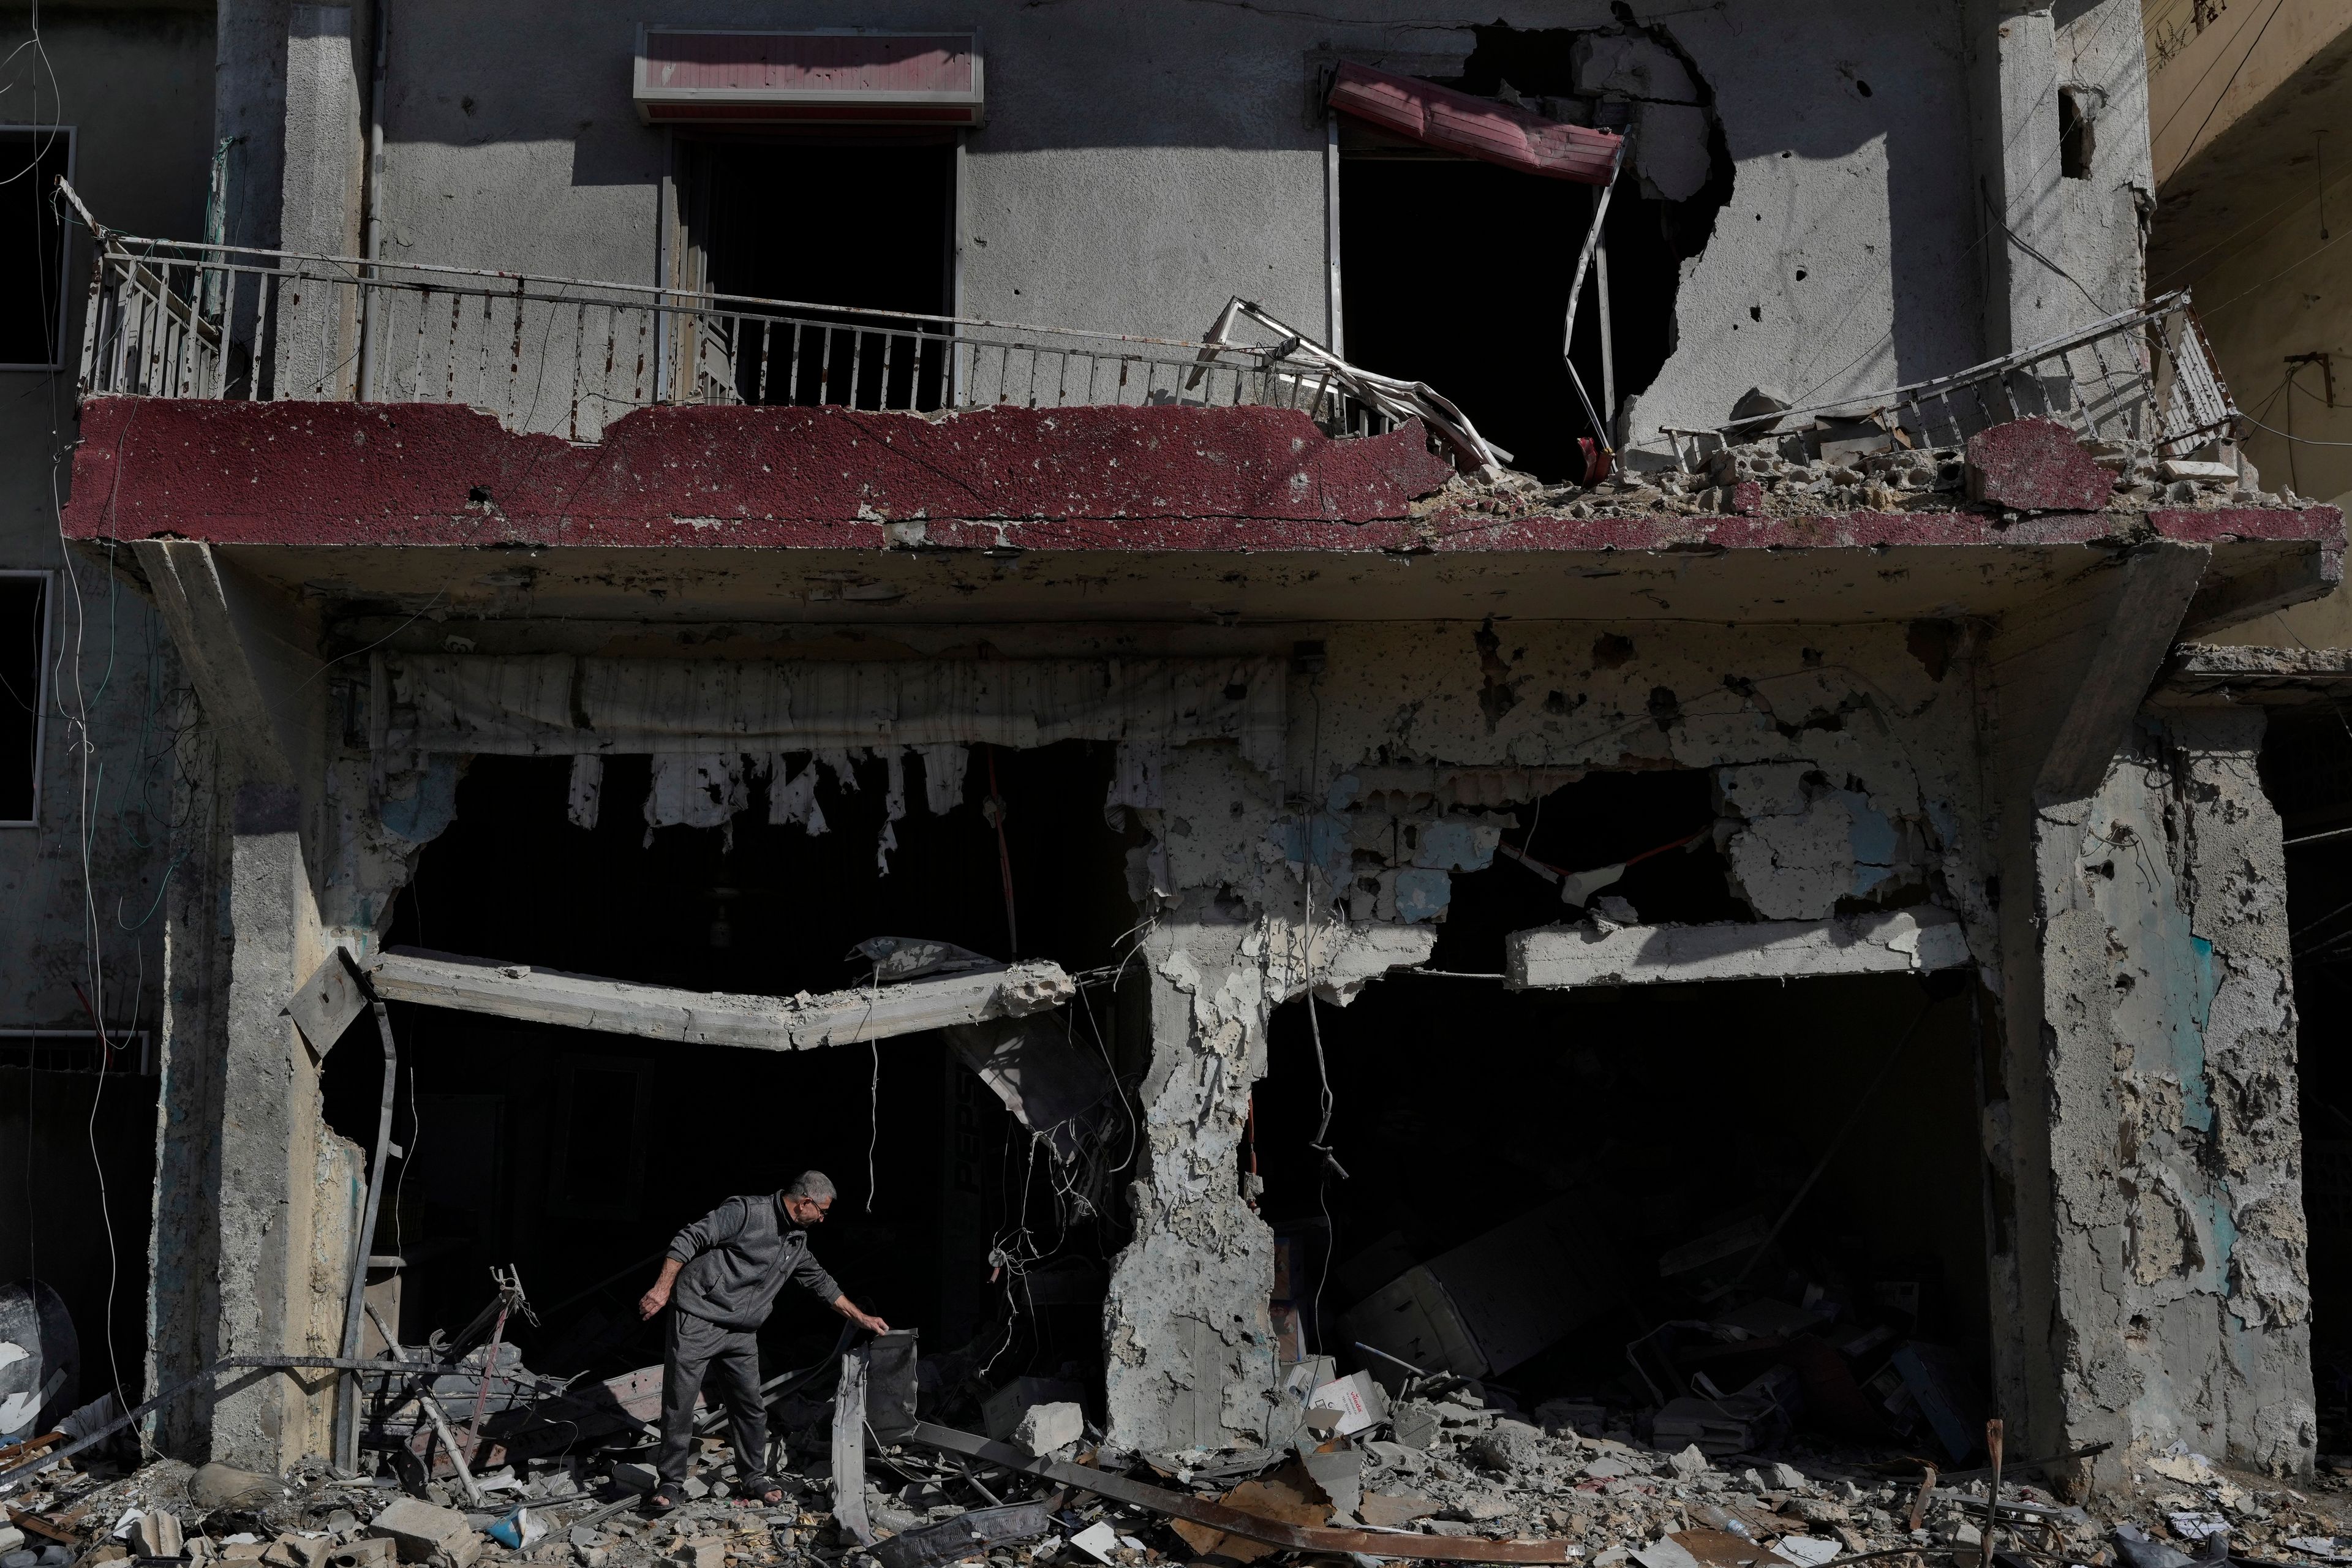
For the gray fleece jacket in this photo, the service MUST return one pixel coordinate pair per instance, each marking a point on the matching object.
(738, 1258)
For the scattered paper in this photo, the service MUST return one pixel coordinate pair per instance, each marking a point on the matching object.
(1356, 1399)
(1097, 1540)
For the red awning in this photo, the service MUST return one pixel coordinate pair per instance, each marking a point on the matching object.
(856, 78)
(1475, 127)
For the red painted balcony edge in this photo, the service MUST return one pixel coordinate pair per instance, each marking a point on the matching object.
(1131, 479)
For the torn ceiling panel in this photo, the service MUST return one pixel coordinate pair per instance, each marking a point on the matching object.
(711, 1018)
(1893, 942)
(558, 705)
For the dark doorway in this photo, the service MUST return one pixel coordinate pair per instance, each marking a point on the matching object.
(868, 225)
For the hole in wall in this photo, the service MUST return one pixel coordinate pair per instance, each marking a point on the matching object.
(2075, 133)
(1639, 1121)
(1481, 322)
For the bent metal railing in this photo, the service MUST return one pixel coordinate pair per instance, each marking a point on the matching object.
(174, 319)
(2145, 374)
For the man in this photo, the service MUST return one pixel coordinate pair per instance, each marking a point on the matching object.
(725, 1269)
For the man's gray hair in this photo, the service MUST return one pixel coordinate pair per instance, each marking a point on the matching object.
(813, 1185)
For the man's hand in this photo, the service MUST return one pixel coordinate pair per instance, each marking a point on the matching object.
(866, 1320)
(655, 1300)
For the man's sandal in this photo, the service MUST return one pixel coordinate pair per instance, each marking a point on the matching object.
(658, 1503)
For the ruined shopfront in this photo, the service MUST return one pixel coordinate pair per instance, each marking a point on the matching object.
(1700, 917)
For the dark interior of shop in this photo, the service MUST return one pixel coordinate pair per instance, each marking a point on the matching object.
(2306, 767)
(573, 1156)
(1665, 1115)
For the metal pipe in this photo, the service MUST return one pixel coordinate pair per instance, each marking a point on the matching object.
(1335, 328)
(347, 1410)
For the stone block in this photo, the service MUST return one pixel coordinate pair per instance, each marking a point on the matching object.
(421, 1533)
(1042, 1428)
(2036, 464)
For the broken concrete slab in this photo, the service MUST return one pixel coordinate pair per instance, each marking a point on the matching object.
(711, 1018)
(1896, 941)
(1047, 1428)
(424, 1533)
(2036, 464)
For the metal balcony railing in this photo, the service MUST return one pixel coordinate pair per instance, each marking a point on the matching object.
(567, 356)
(2144, 375)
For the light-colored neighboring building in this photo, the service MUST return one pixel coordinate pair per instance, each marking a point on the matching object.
(2249, 111)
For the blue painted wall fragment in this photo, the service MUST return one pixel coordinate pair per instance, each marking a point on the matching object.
(1456, 845)
(1872, 838)
(1423, 894)
(1325, 834)
(421, 817)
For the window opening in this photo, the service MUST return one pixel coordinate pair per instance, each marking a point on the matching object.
(24, 668)
(2073, 133)
(867, 224)
(33, 262)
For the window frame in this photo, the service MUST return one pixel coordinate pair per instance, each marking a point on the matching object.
(65, 253)
(40, 688)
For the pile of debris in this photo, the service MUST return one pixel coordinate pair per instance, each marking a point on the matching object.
(1817, 472)
(1439, 1472)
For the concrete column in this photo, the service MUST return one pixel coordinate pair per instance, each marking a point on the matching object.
(2020, 192)
(260, 1196)
(2167, 1017)
(1191, 1352)
(283, 1210)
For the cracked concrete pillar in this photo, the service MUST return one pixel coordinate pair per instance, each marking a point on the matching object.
(2178, 1251)
(256, 1197)
(283, 1211)
(1191, 1350)
(2144, 1139)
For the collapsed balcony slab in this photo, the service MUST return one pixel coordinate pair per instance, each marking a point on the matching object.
(715, 1018)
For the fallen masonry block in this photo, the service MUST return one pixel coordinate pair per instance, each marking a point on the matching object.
(424, 1533)
(1042, 1428)
(2036, 464)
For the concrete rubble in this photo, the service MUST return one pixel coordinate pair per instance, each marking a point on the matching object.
(1811, 472)
(1567, 1473)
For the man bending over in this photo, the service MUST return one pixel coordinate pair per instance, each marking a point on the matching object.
(724, 1271)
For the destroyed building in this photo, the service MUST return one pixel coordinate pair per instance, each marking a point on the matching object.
(1491, 689)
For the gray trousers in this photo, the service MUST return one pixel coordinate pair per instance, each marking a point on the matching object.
(728, 1360)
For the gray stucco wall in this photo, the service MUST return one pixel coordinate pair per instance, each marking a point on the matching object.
(1142, 164)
